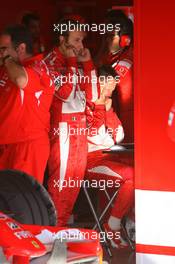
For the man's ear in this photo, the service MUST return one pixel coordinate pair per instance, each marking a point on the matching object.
(61, 40)
(21, 48)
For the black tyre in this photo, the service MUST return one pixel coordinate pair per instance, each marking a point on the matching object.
(25, 200)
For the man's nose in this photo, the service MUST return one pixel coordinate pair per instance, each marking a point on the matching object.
(81, 46)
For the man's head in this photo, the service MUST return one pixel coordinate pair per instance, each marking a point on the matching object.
(70, 35)
(123, 37)
(32, 22)
(107, 79)
(16, 41)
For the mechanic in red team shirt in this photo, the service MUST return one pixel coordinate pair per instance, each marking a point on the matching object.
(68, 62)
(26, 92)
(118, 53)
(105, 131)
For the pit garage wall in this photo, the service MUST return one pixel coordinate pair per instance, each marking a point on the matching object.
(154, 84)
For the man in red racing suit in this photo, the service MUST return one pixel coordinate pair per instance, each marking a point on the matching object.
(103, 166)
(67, 162)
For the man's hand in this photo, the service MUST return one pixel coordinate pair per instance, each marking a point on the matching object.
(111, 85)
(101, 100)
(68, 50)
(108, 104)
(108, 86)
(14, 69)
(3, 54)
(84, 55)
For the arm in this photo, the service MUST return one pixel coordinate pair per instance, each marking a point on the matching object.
(16, 72)
(64, 83)
(114, 126)
(125, 89)
(95, 114)
(97, 134)
(112, 123)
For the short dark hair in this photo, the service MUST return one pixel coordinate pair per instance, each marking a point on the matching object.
(65, 34)
(117, 16)
(106, 70)
(20, 34)
(27, 18)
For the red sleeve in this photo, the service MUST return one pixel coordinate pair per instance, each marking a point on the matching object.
(113, 125)
(95, 116)
(111, 119)
(66, 81)
(63, 83)
(38, 79)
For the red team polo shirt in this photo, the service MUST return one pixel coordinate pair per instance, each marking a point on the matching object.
(24, 113)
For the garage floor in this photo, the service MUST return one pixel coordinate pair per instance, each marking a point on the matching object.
(122, 256)
(119, 256)
(85, 220)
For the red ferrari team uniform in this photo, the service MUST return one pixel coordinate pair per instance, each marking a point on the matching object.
(106, 166)
(68, 129)
(122, 62)
(25, 119)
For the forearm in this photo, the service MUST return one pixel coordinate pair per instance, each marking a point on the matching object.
(95, 116)
(114, 126)
(16, 72)
(65, 89)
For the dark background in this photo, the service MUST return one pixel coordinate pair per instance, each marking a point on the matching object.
(50, 10)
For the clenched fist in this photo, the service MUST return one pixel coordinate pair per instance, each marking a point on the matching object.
(84, 55)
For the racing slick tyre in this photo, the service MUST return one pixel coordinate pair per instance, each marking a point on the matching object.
(24, 199)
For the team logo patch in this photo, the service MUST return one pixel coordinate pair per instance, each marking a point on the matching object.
(23, 234)
(13, 226)
(35, 244)
(123, 68)
(122, 71)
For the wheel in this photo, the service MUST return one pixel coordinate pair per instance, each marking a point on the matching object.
(25, 200)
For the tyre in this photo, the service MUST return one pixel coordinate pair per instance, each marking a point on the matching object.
(25, 200)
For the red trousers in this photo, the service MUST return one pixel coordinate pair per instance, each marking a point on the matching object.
(29, 156)
(67, 164)
(104, 166)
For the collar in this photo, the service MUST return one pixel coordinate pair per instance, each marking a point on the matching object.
(59, 55)
(32, 59)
